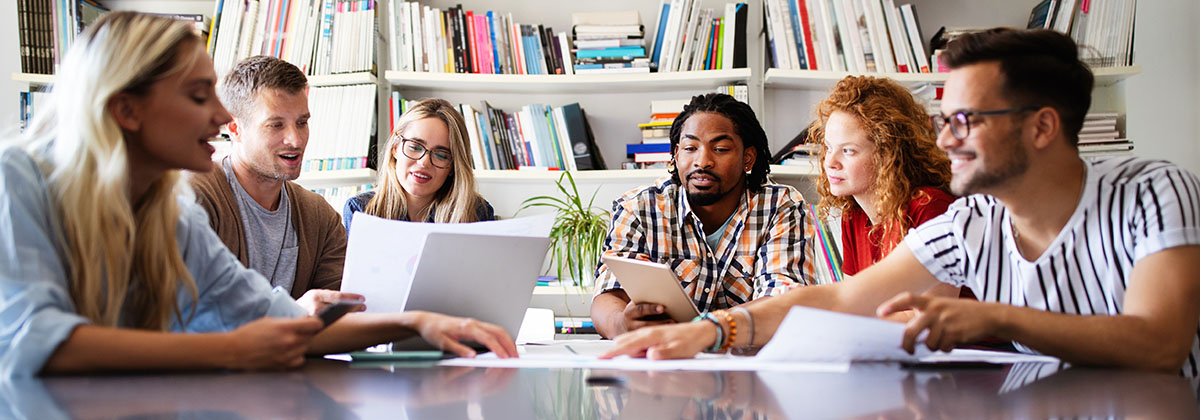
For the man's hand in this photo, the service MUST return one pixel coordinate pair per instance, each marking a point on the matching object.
(316, 299)
(950, 321)
(636, 314)
(678, 341)
(271, 343)
(446, 333)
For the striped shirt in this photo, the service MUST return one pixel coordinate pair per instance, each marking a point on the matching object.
(763, 251)
(1130, 208)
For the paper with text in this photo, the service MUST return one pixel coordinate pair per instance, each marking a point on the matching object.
(815, 335)
(381, 253)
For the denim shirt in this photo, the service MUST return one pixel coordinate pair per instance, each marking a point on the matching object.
(358, 204)
(36, 311)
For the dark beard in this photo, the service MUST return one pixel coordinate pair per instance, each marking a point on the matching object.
(710, 197)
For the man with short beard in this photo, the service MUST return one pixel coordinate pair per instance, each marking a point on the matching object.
(288, 234)
(726, 232)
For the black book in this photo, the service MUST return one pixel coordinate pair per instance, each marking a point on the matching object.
(545, 44)
(456, 37)
(739, 36)
(583, 145)
(23, 33)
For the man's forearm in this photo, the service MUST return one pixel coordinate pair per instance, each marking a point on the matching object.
(607, 312)
(361, 330)
(1103, 340)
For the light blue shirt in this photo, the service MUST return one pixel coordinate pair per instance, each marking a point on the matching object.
(36, 312)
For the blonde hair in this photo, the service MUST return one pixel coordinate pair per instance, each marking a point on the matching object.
(123, 260)
(906, 152)
(456, 200)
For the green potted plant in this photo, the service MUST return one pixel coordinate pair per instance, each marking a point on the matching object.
(578, 233)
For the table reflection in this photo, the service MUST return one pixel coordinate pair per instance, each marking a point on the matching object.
(336, 390)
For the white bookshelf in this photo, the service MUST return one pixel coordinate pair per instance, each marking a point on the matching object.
(33, 79)
(816, 79)
(557, 83)
(324, 179)
(620, 175)
(342, 79)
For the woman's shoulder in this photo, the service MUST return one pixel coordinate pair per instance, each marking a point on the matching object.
(929, 202)
(359, 202)
(484, 210)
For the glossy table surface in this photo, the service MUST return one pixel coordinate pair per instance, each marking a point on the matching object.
(328, 389)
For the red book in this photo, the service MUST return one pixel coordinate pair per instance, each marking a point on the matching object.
(483, 44)
(716, 42)
(470, 28)
(807, 29)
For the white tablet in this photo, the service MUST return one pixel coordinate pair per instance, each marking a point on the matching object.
(647, 282)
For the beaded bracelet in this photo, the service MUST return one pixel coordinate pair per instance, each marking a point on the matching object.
(720, 331)
(749, 322)
(732, 331)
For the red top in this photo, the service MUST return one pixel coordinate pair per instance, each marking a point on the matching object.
(859, 252)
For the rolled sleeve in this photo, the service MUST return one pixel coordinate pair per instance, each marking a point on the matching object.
(1159, 213)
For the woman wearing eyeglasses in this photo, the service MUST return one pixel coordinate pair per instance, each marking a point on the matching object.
(425, 171)
(881, 168)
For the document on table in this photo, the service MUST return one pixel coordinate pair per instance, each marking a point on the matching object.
(381, 253)
(583, 354)
(815, 335)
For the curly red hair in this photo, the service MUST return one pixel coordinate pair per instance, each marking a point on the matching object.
(906, 153)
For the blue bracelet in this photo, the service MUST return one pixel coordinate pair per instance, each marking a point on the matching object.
(716, 347)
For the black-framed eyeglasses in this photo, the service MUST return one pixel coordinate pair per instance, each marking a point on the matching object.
(960, 122)
(415, 151)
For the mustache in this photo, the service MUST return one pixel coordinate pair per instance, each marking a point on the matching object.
(703, 172)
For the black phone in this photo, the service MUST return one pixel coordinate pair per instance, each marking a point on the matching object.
(336, 310)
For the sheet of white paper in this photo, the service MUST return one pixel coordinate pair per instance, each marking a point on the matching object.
(573, 354)
(537, 326)
(814, 335)
(988, 356)
(382, 253)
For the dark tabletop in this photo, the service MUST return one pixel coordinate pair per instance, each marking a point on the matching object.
(327, 389)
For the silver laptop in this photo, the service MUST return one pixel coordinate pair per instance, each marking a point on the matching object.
(486, 277)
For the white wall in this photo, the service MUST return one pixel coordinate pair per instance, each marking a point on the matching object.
(1164, 101)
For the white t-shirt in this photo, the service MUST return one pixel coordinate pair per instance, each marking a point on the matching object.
(1130, 208)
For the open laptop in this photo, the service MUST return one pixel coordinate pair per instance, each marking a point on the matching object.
(486, 277)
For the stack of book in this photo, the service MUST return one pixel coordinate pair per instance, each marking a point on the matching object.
(654, 150)
(1103, 29)
(341, 127)
(1100, 138)
(609, 42)
(429, 39)
(535, 137)
(857, 36)
(319, 37)
(693, 38)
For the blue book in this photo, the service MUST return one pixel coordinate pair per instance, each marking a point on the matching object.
(635, 148)
(798, 33)
(662, 30)
(612, 52)
(492, 34)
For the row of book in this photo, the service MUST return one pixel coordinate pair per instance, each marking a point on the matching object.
(1102, 28)
(534, 137)
(341, 128)
(454, 40)
(857, 36)
(318, 36)
(46, 29)
(690, 37)
(337, 196)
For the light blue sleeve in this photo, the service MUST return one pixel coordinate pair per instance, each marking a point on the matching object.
(229, 294)
(36, 312)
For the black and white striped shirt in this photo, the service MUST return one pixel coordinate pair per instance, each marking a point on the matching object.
(1130, 208)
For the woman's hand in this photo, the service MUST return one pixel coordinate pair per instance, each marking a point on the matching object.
(271, 343)
(447, 333)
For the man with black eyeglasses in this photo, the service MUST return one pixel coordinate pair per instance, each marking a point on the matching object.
(290, 235)
(1097, 263)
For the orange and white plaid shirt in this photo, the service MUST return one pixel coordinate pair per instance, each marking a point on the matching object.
(764, 250)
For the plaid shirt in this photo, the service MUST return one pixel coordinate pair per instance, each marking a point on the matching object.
(763, 251)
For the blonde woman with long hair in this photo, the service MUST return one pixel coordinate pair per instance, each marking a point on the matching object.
(425, 171)
(106, 263)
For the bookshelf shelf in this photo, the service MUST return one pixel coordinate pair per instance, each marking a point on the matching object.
(342, 79)
(644, 176)
(33, 79)
(590, 83)
(318, 179)
(816, 79)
